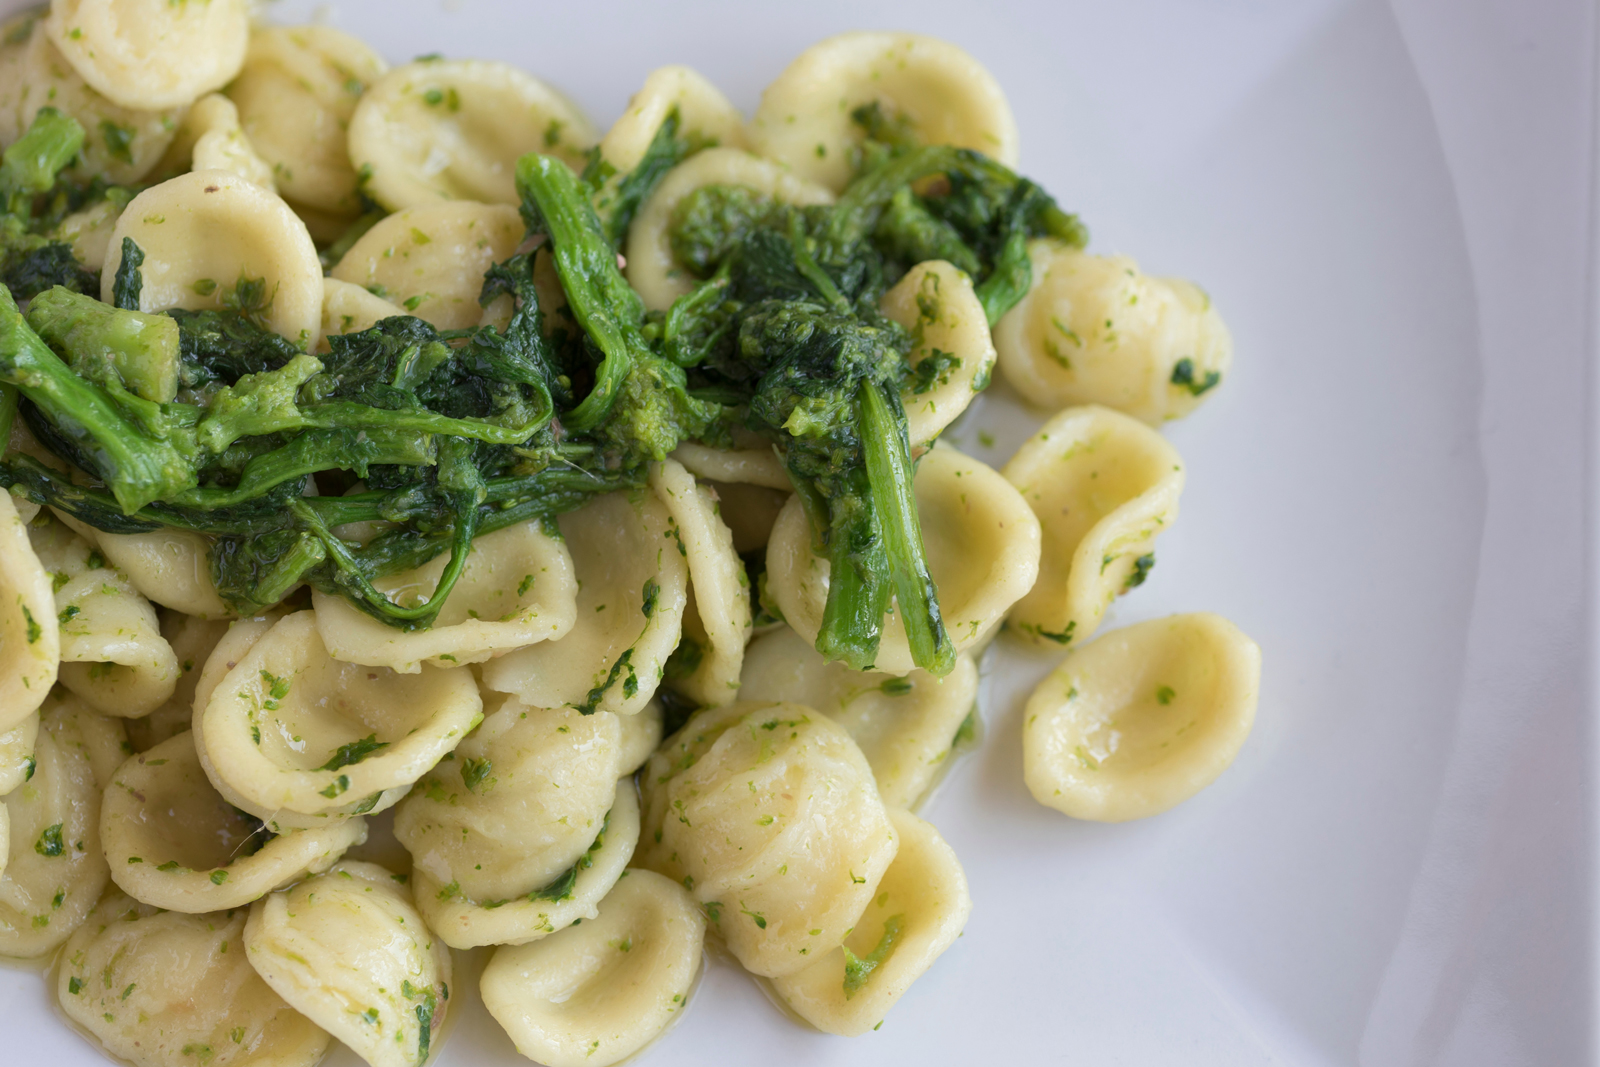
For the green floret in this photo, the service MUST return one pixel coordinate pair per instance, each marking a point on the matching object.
(107, 345)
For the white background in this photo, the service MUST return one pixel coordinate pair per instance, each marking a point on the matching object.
(1391, 206)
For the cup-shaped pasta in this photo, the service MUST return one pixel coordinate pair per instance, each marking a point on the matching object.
(293, 731)
(430, 259)
(206, 233)
(351, 308)
(16, 755)
(347, 950)
(937, 91)
(633, 581)
(169, 566)
(981, 542)
(30, 637)
(442, 129)
(758, 465)
(146, 55)
(55, 868)
(516, 589)
(1142, 718)
(122, 144)
(463, 923)
(296, 93)
(521, 802)
(1095, 330)
(112, 651)
(921, 907)
(768, 814)
(192, 640)
(89, 231)
(653, 269)
(597, 993)
(641, 736)
(174, 843)
(717, 623)
(904, 726)
(952, 355)
(161, 989)
(1103, 485)
(704, 114)
(211, 138)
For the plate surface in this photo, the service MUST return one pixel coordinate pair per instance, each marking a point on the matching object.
(1390, 206)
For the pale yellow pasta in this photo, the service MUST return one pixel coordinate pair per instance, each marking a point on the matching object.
(718, 622)
(521, 801)
(463, 923)
(904, 726)
(768, 814)
(938, 91)
(1142, 718)
(633, 579)
(122, 144)
(161, 989)
(749, 511)
(599, 992)
(169, 566)
(757, 465)
(704, 114)
(1103, 485)
(89, 230)
(56, 868)
(173, 842)
(430, 259)
(653, 270)
(347, 950)
(30, 638)
(351, 308)
(443, 129)
(641, 735)
(211, 138)
(937, 304)
(205, 232)
(982, 547)
(192, 639)
(296, 93)
(921, 907)
(152, 55)
(299, 736)
(1095, 330)
(516, 589)
(16, 753)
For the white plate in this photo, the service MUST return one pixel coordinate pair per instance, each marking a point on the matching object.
(1390, 207)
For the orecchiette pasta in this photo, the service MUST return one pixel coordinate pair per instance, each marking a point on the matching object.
(1095, 330)
(351, 308)
(430, 259)
(943, 95)
(521, 802)
(56, 868)
(919, 911)
(169, 566)
(296, 93)
(768, 814)
(161, 989)
(299, 736)
(652, 268)
(192, 639)
(516, 589)
(89, 231)
(173, 842)
(30, 637)
(904, 726)
(463, 923)
(16, 753)
(952, 356)
(211, 138)
(145, 55)
(1142, 718)
(719, 623)
(206, 234)
(453, 130)
(1103, 485)
(641, 735)
(599, 992)
(121, 144)
(347, 950)
(704, 114)
(633, 578)
(744, 466)
(981, 541)
(749, 511)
